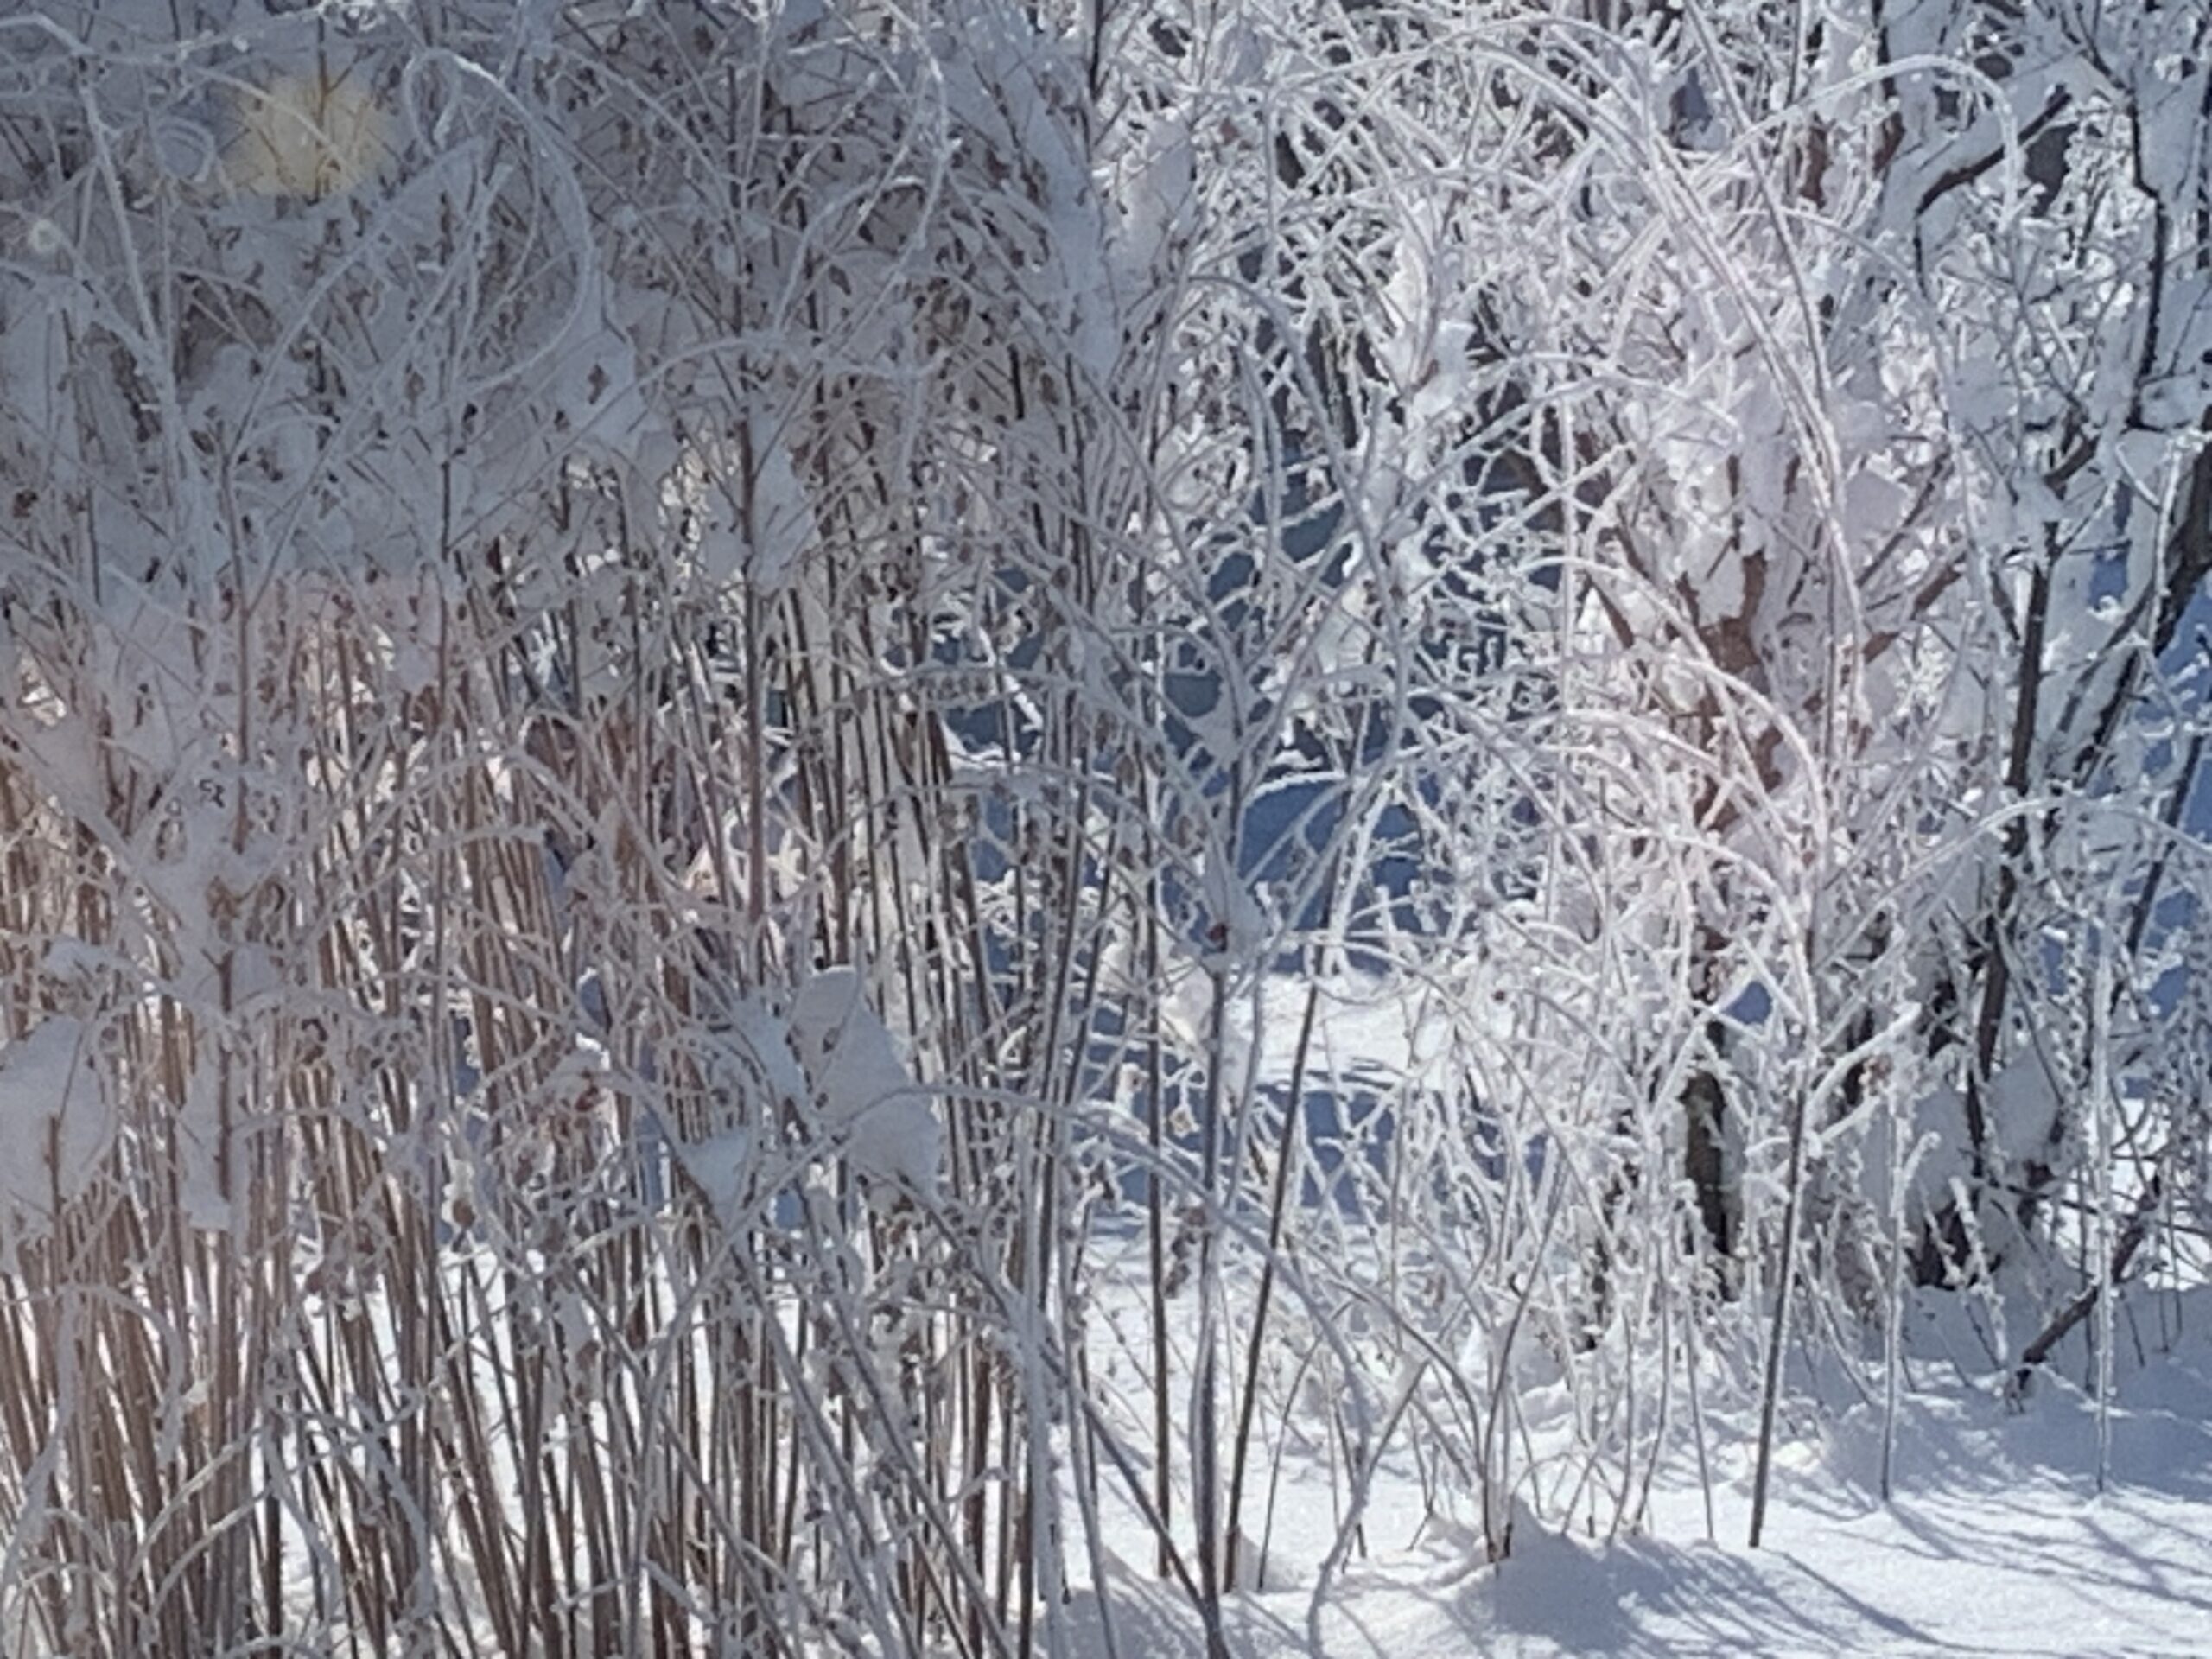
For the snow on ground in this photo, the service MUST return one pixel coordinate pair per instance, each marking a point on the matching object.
(1996, 1542)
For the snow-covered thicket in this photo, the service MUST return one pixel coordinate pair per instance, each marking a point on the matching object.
(698, 700)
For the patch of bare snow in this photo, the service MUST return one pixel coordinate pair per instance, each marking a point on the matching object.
(1997, 1542)
(867, 1096)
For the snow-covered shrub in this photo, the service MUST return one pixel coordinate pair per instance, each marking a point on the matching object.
(696, 699)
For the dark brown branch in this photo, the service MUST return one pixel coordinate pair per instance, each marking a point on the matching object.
(2123, 1253)
(1967, 172)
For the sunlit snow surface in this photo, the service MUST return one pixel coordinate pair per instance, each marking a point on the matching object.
(1996, 1542)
